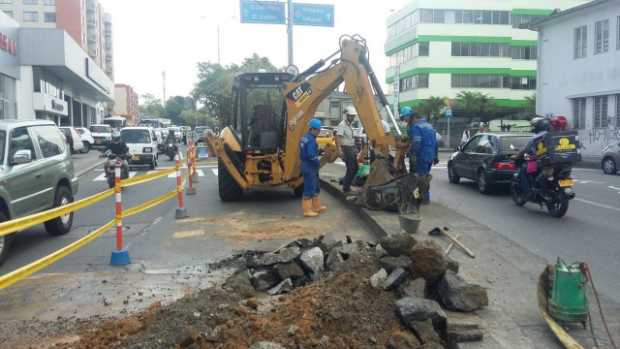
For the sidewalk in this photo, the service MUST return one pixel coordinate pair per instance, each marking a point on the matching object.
(509, 271)
(83, 163)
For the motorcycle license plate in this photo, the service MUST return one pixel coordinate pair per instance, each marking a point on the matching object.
(564, 183)
(135, 158)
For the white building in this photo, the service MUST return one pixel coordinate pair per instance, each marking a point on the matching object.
(438, 48)
(579, 71)
(45, 74)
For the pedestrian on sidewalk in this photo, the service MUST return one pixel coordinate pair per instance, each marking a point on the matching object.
(310, 163)
(423, 152)
(345, 142)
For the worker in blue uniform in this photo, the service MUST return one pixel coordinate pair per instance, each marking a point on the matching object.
(424, 149)
(310, 163)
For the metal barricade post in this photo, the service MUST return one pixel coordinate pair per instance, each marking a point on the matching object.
(181, 211)
(120, 256)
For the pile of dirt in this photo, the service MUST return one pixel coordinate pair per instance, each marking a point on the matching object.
(338, 303)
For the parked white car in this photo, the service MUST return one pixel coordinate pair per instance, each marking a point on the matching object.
(142, 144)
(73, 139)
(87, 138)
(102, 135)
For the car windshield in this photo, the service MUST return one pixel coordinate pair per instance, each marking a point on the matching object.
(101, 129)
(135, 136)
(513, 144)
(2, 145)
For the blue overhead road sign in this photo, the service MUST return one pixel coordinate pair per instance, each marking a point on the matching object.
(265, 12)
(313, 14)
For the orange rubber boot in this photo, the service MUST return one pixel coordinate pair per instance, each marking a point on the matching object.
(316, 205)
(306, 205)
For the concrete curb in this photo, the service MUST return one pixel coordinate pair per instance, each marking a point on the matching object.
(89, 168)
(363, 213)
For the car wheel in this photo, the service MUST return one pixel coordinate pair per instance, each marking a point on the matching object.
(5, 241)
(452, 176)
(483, 182)
(609, 166)
(61, 225)
(86, 148)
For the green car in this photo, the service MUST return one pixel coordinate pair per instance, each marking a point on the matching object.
(36, 174)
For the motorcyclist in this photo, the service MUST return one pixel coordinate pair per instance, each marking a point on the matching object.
(532, 151)
(117, 146)
(171, 138)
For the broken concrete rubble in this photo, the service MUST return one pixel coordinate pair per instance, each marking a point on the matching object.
(284, 255)
(313, 261)
(264, 279)
(282, 287)
(266, 345)
(395, 279)
(428, 260)
(456, 294)
(413, 288)
(397, 244)
(378, 279)
(290, 270)
(390, 263)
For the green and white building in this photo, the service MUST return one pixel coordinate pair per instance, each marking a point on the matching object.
(441, 47)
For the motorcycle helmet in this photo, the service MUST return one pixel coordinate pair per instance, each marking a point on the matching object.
(116, 136)
(558, 123)
(539, 124)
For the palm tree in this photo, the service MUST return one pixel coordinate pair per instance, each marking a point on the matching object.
(432, 108)
(475, 104)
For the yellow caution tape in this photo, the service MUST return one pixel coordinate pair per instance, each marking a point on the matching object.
(148, 204)
(146, 178)
(9, 279)
(22, 223)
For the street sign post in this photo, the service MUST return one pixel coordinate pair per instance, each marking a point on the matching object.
(262, 12)
(448, 115)
(319, 15)
(273, 12)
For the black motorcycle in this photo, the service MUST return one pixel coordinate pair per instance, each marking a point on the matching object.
(171, 150)
(550, 186)
(110, 166)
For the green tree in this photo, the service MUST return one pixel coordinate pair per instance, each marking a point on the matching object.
(214, 87)
(150, 106)
(197, 118)
(432, 108)
(475, 104)
(177, 104)
(530, 106)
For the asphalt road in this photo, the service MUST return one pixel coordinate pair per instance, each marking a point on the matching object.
(159, 243)
(589, 232)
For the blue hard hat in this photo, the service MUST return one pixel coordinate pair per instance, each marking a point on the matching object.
(406, 112)
(315, 123)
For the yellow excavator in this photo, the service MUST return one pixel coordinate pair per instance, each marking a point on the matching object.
(259, 149)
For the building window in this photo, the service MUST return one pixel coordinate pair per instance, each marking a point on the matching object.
(481, 17)
(460, 49)
(618, 33)
(45, 82)
(31, 2)
(522, 83)
(408, 53)
(50, 17)
(476, 81)
(601, 36)
(9, 13)
(31, 16)
(49, 2)
(600, 112)
(524, 52)
(8, 103)
(414, 82)
(579, 113)
(581, 42)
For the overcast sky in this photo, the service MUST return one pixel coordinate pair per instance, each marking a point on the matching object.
(151, 36)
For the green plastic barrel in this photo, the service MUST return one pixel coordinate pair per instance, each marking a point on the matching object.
(568, 294)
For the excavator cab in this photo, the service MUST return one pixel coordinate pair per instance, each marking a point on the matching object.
(259, 112)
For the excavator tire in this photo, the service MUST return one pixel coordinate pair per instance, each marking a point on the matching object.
(229, 189)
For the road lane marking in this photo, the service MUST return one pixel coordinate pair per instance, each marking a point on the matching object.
(188, 234)
(597, 204)
(614, 188)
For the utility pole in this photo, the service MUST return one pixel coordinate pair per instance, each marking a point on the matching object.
(163, 78)
(289, 30)
(219, 56)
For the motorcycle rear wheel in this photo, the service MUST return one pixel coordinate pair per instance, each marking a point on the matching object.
(558, 208)
(516, 195)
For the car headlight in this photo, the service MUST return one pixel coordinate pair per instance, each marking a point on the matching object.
(147, 150)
